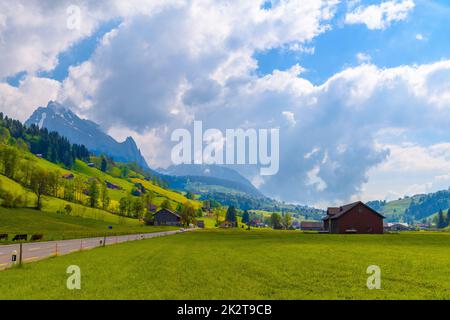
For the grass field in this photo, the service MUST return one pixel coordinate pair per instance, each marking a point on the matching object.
(235, 264)
(58, 226)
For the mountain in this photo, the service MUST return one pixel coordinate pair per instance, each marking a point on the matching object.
(207, 178)
(55, 117)
(413, 208)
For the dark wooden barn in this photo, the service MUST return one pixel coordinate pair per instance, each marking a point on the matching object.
(353, 218)
(165, 217)
(311, 226)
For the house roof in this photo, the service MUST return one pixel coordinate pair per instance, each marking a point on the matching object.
(332, 213)
(169, 211)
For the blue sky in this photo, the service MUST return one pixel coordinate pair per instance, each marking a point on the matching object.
(337, 49)
(334, 50)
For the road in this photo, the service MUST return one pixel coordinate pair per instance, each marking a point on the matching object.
(42, 250)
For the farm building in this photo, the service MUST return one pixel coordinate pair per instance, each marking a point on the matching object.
(353, 218)
(396, 226)
(201, 224)
(311, 225)
(165, 217)
(68, 176)
(111, 185)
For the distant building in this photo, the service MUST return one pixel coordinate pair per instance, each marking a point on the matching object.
(166, 217)
(111, 185)
(68, 176)
(201, 224)
(40, 155)
(227, 224)
(91, 165)
(396, 226)
(353, 218)
(311, 225)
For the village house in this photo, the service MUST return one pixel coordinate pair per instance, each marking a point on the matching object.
(311, 225)
(112, 186)
(353, 218)
(166, 217)
(68, 176)
(201, 224)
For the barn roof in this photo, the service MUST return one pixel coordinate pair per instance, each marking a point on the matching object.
(332, 213)
(169, 211)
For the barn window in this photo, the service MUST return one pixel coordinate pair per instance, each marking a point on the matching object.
(360, 210)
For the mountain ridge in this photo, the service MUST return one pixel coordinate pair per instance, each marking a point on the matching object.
(56, 117)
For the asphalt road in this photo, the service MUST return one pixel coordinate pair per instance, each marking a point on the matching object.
(42, 250)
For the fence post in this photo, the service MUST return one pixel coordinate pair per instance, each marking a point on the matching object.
(20, 254)
(56, 249)
(104, 241)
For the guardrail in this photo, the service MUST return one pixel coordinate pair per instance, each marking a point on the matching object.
(16, 254)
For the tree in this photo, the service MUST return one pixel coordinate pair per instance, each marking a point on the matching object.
(166, 205)
(245, 217)
(54, 179)
(69, 190)
(190, 195)
(448, 217)
(218, 212)
(9, 159)
(286, 221)
(78, 184)
(138, 208)
(4, 135)
(93, 193)
(231, 215)
(187, 214)
(68, 209)
(123, 206)
(441, 220)
(275, 221)
(39, 185)
(104, 164)
(105, 197)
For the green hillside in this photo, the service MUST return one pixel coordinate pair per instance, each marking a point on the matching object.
(59, 226)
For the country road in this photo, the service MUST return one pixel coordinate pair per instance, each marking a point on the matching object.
(42, 250)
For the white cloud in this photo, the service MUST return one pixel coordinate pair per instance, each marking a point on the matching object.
(20, 102)
(175, 62)
(409, 169)
(380, 16)
(363, 57)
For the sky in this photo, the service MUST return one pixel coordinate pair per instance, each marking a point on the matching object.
(359, 89)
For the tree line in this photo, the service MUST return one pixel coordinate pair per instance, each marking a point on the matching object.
(50, 145)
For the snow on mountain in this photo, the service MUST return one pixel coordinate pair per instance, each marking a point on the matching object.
(56, 117)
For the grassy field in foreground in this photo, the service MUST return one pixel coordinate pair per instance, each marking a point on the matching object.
(228, 264)
(58, 226)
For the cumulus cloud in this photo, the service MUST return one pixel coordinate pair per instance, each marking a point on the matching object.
(170, 63)
(411, 169)
(19, 102)
(380, 16)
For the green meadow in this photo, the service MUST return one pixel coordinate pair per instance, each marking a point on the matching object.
(56, 226)
(237, 264)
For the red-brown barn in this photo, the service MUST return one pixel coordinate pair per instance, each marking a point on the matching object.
(353, 218)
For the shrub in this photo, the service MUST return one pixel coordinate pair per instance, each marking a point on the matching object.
(11, 201)
(68, 209)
